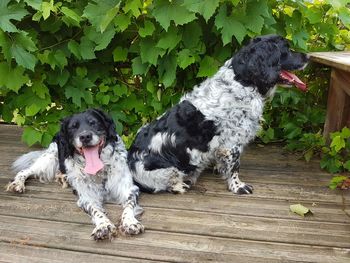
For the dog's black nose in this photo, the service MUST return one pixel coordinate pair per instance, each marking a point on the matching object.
(86, 137)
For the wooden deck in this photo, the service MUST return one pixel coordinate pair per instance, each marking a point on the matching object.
(207, 224)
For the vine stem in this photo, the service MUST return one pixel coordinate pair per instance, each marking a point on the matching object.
(63, 41)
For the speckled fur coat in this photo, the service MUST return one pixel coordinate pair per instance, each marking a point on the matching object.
(213, 123)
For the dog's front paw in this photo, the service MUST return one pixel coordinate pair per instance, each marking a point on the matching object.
(15, 186)
(241, 189)
(131, 227)
(103, 231)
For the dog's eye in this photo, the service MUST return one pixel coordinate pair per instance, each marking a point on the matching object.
(74, 125)
(92, 122)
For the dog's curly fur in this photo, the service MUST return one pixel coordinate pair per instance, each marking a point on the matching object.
(64, 158)
(212, 124)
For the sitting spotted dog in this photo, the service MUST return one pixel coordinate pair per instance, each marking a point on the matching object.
(212, 124)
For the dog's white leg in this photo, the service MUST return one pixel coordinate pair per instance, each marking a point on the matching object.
(91, 201)
(129, 224)
(43, 166)
(17, 185)
(120, 188)
(104, 228)
(228, 164)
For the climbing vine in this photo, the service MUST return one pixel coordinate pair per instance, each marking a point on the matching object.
(135, 58)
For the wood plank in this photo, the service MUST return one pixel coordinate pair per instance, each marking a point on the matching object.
(305, 178)
(156, 245)
(21, 253)
(340, 60)
(10, 129)
(338, 105)
(217, 187)
(195, 222)
(323, 212)
(279, 192)
(255, 207)
(341, 79)
(222, 204)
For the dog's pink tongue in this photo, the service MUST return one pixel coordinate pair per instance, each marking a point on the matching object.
(93, 163)
(292, 78)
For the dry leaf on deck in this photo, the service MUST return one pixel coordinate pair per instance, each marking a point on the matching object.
(345, 184)
(300, 210)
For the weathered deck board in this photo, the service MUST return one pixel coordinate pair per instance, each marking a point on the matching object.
(193, 202)
(198, 223)
(207, 224)
(340, 59)
(20, 252)
(167, 246)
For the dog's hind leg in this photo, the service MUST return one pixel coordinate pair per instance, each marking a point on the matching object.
(160, 180)
(42, 164)
(176, 184)
(228, 164)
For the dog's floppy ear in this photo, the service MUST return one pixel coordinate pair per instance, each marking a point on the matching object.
(257, 64)
(272, 37)
(109, 125)
(64, 147)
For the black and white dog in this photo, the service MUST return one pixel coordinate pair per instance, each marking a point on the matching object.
(93, 160)
(212, 124)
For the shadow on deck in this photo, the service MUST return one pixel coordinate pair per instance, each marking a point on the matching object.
(207, 224)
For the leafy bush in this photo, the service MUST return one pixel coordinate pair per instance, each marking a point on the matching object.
(135, 58)
(335, 156)
(293, 113)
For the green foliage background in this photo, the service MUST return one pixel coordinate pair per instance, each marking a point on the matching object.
(135, 58)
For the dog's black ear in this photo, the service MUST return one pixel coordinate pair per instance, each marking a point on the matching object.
(256, 40)
(108, 123)
(65, 148)
(257, 64)
(271, 37)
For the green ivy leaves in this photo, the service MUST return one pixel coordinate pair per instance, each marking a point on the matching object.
(12, 78)
(136, 58)
(207, 67)
(22, 57)
(229, 26)
(205, 7)
(10, 12)
(101, 13)
(166, 11)
(337, 155)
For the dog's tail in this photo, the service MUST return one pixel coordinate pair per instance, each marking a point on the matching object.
(25, 161)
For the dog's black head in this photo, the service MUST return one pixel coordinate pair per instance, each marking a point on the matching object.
(86, 133)
(266, 61)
